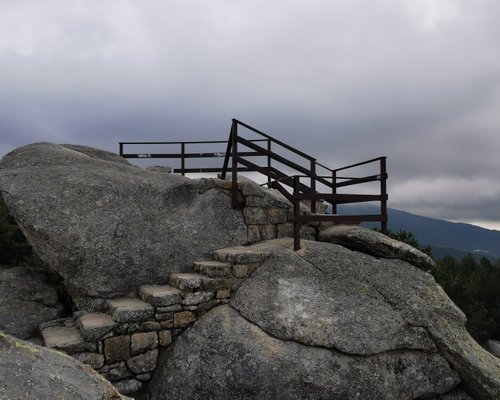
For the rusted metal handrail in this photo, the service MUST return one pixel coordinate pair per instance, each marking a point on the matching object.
(301, 192)
(276, 178)
(183, 155)
(274, 140)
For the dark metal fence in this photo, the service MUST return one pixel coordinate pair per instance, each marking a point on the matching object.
(297, 180)
(305, 169)
(184, 153)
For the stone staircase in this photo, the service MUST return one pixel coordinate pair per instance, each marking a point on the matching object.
(122, 341)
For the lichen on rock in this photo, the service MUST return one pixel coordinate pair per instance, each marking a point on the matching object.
(32, 372)
(105, 226)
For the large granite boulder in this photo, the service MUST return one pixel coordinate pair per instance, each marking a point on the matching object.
(375, 243)
(32, 372)
(105, 226)
(26, 300)
(229, 357)
(328, 322)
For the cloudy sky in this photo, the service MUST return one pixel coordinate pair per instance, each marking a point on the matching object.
(344, 80)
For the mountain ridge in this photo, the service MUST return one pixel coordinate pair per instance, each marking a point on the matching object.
(445, 237)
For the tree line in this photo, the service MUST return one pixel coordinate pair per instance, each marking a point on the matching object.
(14, 248)
(474, 286)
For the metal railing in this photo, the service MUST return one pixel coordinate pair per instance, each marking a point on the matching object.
(185, 152)
(300, 191)
(296, 179)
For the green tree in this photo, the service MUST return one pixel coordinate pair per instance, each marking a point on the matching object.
(475, 288)
(14, 248)
(409, 238)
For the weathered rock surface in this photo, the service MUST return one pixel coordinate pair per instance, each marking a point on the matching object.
(32, 372)
(359, 320)
(328, 322)
(375, 243)
(494, 347)
(333, 297)
(228, 357)
(26, 300)
(108, 227)
(479, 369)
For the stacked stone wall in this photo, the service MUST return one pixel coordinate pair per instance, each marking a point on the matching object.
(269, 215)
(122, 342)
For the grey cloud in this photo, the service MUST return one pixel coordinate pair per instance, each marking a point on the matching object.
(418, 81)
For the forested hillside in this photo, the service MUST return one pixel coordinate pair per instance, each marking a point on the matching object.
(455, 239)
(474, 286)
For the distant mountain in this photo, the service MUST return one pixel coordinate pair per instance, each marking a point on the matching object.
(455, 239)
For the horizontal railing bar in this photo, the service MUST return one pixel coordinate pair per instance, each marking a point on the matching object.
(358, 164)
(192, 142)
(343, 218)
(187, 155)
(356, 181)
(279, 142)
(340, 177)
(341, 198)
(352, 181)
(196, 170)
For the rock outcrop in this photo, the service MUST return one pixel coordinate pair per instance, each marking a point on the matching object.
(26, 300)
(32, 372)
(377, 244)
(356, 318)
(328, 322)
(232, 358)
(106, 226)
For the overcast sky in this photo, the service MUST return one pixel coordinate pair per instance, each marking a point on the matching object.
(344, 80)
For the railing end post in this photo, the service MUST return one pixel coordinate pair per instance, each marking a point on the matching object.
(234, 164)
(296, 214)
(296, 243)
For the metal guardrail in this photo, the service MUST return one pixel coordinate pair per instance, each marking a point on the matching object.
(183, 154)
(307, 170)
(302, 182)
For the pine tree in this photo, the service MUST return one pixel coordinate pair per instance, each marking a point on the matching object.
(14, 247)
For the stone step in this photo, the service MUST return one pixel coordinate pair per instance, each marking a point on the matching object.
(160, 295)
(197, 282)
(189, 281)
(240, 255)
(95, 325)
(129, 309)
(67, 322)
(213, 269)
(67, 339)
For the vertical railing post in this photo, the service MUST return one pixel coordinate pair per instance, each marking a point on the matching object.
(334, 191)
(269, 163)
(183, 159)
(383, 193)
(234, 165)
(121, 149)
(296, 214)
(227, 154)
(313, 185)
